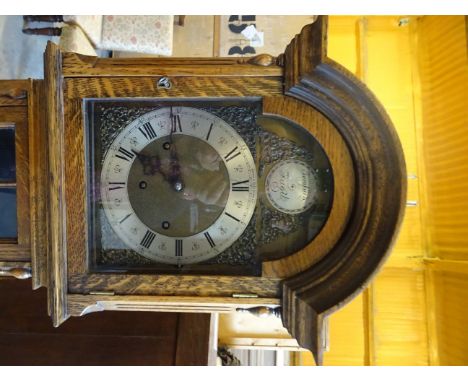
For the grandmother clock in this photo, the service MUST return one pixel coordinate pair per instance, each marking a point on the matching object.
(210, 185)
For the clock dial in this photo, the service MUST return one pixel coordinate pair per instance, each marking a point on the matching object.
(178, 185)
(296, 192)
(291, 186)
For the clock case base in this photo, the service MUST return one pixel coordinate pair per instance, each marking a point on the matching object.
(305, 76)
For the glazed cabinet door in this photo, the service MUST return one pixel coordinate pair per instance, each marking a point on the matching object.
(14, 180)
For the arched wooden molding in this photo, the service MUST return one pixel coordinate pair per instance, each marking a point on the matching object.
(380, 176)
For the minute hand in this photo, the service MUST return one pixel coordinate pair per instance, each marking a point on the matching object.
(175, 173)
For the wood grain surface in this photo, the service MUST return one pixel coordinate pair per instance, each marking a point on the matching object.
(343, 178)
(57, 250)
(76, 65)
(115, 87)
(38, 182)
(14, 92)
(173, 285)
(27, 336)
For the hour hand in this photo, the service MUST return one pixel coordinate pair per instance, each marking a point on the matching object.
(175, 173)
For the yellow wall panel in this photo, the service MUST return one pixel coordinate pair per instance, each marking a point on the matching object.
(399, 315)
(444, 78)
(347, 336)
(389, 327)
(449, 316)
(378, 49)
(342, 42)
(443, 72)
(347, 343)
(389, 75)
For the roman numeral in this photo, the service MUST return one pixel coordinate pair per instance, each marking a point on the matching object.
(232, 217)
(125, 218)
(232, 154)
(148, 131)
(147, 239)
(209, 132)
(116, 185)
(175, 124)
(210, 240)
(178, 248)
(126, 155)
(236, 186)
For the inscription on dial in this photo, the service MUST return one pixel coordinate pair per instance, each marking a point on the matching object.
(291, 186)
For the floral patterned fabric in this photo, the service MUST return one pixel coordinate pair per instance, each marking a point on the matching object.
(142, 34)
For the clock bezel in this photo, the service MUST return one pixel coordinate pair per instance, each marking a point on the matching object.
(187, 106)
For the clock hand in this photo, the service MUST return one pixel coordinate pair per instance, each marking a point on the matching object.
(175, 174)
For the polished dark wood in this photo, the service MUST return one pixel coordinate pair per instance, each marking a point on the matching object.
(51, 31)
(27, 336)
(192, 347)
(44, 18)
(380, 178)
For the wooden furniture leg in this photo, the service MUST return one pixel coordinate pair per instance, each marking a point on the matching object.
(43, 31)
(44, 18)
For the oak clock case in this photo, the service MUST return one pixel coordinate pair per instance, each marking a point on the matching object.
(173, 186)
(138, 202)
